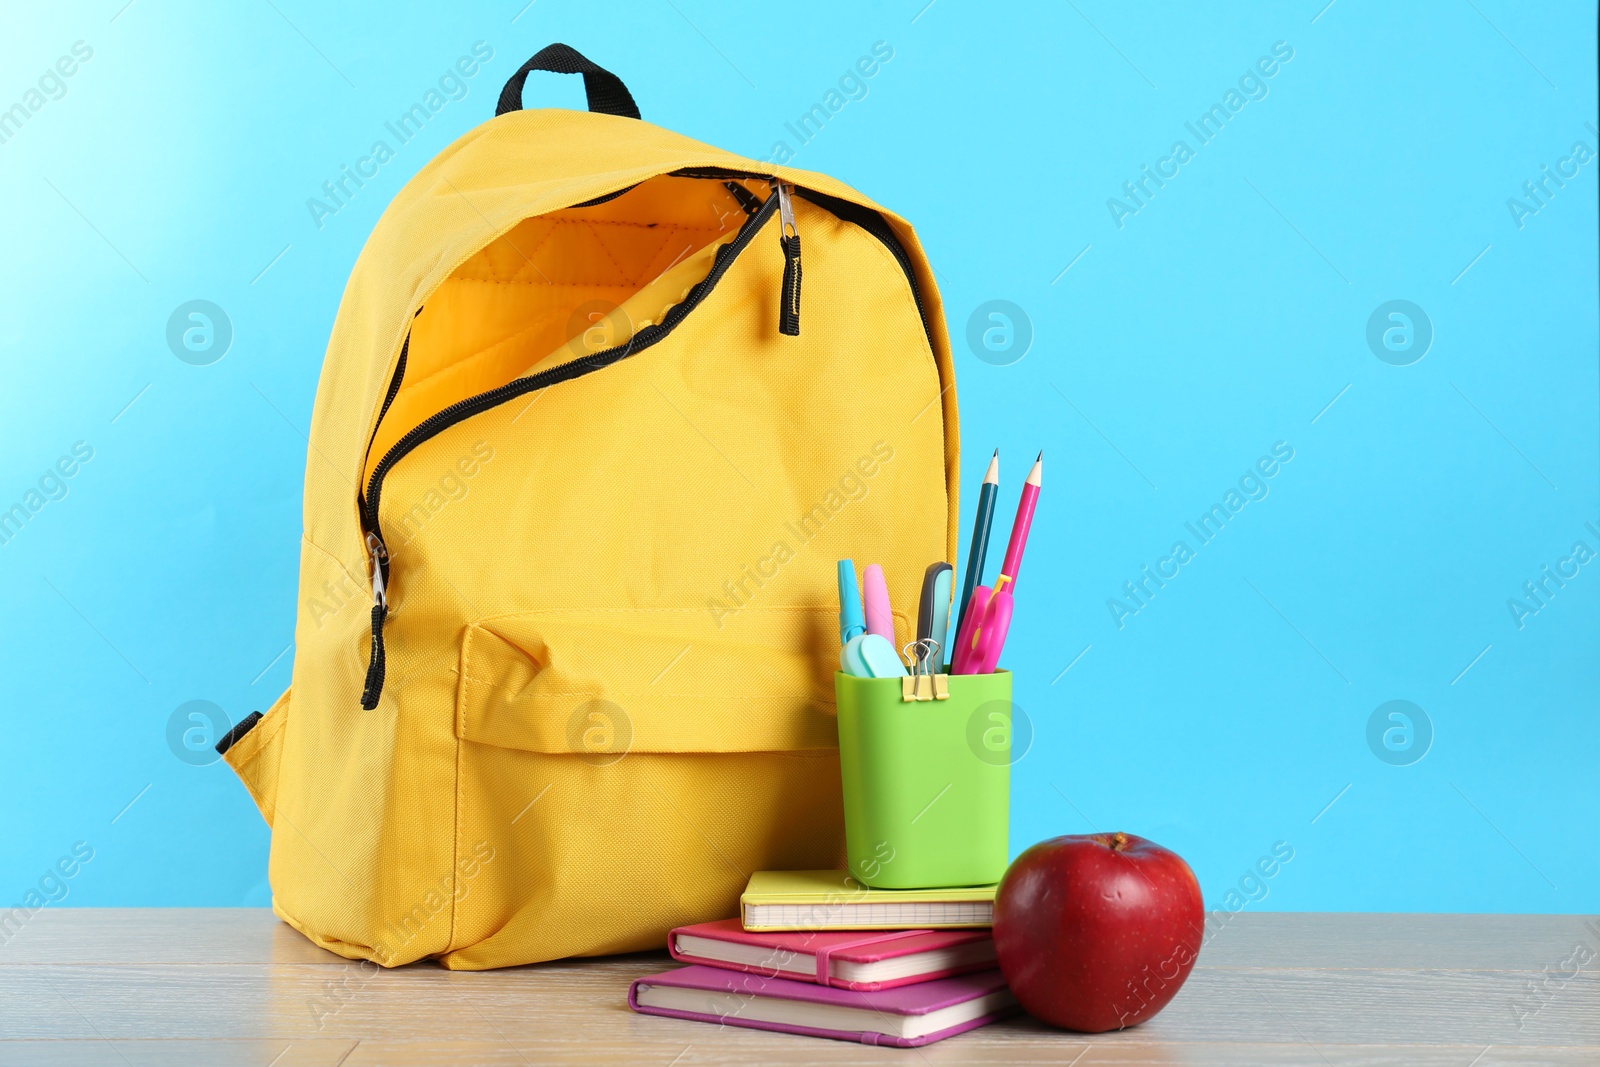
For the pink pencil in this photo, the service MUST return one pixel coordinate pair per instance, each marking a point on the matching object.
(1019, 528)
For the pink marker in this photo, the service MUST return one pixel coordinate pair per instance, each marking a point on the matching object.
(1019, 527)
(875, 593)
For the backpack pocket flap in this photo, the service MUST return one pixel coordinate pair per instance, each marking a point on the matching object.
(597, 682)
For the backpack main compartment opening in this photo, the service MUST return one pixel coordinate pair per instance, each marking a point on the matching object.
(562, 285)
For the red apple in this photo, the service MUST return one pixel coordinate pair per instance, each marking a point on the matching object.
(1097, 931)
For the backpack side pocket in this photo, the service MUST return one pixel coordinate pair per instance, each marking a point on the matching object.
(255, 756)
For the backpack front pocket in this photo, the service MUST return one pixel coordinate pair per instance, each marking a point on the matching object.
(532, 681)
(644, 758)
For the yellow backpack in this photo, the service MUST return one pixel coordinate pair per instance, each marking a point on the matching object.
(585, 450)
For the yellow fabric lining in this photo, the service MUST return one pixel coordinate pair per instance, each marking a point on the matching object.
(556, 287)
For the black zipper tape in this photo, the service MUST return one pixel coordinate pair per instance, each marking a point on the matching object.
(576, 368)
(464, 409)
(747, 200)
(388, 399)
(878, 226)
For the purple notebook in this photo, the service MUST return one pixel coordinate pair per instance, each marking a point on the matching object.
(905, 1017)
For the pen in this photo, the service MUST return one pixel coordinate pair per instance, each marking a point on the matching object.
(979, 549)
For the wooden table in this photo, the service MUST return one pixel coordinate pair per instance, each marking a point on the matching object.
(234, 986)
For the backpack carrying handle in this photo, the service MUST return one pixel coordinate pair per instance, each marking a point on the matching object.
(606, 92)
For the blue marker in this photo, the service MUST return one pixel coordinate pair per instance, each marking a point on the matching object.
(852, 621)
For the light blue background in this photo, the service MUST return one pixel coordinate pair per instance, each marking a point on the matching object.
(1223, 317)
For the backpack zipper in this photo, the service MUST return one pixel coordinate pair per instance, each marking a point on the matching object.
(372, 526)
(368, 502)
(789, 240)
(864, 217)
(388, 400)
(372, 687)
(877, 226)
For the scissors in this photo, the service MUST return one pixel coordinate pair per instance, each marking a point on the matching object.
(983, 632)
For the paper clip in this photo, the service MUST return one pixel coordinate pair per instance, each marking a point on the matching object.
(922, 683)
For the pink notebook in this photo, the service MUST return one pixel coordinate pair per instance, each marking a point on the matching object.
(905, 1017)
(848, 959)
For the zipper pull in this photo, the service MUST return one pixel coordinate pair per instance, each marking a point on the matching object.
(373, 688)
(379, 554)
(789, 239)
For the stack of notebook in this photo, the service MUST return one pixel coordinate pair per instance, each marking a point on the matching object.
(813, 952)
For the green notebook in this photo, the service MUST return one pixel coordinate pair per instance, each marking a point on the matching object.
(834, 900)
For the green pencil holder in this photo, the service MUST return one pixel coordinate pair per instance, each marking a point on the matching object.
(927, 783)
